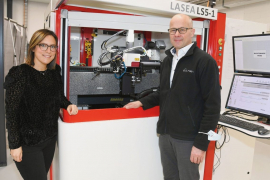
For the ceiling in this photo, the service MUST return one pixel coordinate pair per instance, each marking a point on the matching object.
(224, 4)
(42, 1)
(220, 4)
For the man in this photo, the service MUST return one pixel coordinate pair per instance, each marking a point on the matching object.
(189, 100)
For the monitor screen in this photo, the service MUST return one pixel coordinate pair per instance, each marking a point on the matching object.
(250, 94)
(251, 54)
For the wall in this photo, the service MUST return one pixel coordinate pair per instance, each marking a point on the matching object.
(235, 27)
(249, 19)
(241, 147)
(258, 12)
(237, 155)
(35, 17)
(35, 14)
(35, 22)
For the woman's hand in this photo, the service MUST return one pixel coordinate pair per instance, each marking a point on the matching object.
(72, 109)
(16, 154)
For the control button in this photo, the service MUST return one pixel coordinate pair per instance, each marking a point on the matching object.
(220, 41)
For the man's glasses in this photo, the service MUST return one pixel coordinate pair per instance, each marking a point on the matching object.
(181, 30)
(44, 47)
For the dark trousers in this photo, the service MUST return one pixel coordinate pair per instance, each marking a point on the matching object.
(36, 160)
(175, 159)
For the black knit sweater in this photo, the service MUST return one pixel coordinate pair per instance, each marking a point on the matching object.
(33, 100)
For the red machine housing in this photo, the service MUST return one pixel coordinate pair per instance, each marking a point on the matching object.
(215, 49)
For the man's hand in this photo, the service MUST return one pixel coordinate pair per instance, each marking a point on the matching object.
(135, 104)
(72, 109)
(16, 154)
(196, 155)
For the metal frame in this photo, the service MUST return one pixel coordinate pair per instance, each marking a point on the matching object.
(114, 21)
(111, 21)
(217, 32)
(9, 8)
(3, 153)
(64, 45)
(205, 35)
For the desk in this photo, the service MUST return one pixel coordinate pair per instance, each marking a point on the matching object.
(244, 157)
(250, 133)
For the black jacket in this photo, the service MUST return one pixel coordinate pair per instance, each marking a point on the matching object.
(192, 104)
(33, 101)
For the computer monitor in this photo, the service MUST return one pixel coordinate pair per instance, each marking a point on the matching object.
(251, 54)
(250, 94)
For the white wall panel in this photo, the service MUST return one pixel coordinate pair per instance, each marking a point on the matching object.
(124, 149)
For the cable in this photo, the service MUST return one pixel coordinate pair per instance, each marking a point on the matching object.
(239, 114)
(101, 57)
(122, 73)
(103, 45)
(130, 49)
(217, 164)
(144, 38)
(230, 112)
(224, 131)
(117, 60)
(145, 93)
(242, 117)
(100, 62)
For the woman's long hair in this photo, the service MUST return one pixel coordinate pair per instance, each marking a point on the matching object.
(37, 37)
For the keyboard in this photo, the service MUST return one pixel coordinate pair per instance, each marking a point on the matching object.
(239, 123)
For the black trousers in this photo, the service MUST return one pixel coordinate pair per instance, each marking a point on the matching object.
(36, 160)
(175, 159)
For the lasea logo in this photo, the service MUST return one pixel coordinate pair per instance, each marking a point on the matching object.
(189, 71)
(193, 10)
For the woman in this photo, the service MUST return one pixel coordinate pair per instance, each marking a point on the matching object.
(34, 96)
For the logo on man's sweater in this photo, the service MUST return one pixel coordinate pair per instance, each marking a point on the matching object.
(189, 71)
